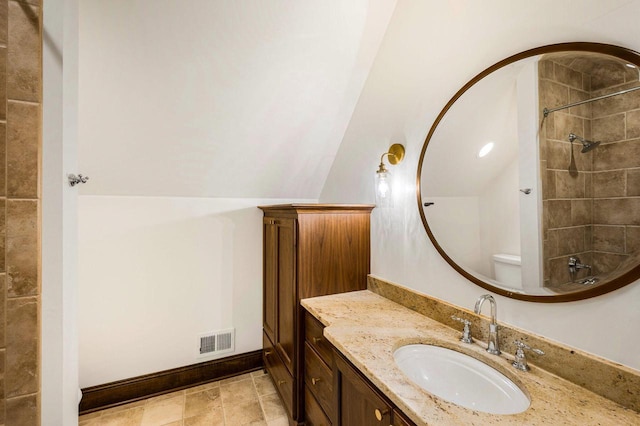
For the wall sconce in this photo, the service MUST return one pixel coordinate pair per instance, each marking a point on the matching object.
(384, 183)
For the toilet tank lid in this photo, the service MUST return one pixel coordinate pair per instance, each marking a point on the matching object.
(512, 259)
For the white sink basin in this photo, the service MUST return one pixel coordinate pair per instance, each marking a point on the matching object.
(460, 379)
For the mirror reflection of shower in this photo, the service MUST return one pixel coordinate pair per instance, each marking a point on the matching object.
(587, 145)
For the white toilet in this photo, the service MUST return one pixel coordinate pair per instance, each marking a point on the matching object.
(507, 269)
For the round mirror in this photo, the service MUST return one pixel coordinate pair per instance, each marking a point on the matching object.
(529, 178)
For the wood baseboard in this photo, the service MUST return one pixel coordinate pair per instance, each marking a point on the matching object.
(136, 388)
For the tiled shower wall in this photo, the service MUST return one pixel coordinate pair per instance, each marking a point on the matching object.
(567, 203)
(616, 172)
(592, 212)
(20, 96)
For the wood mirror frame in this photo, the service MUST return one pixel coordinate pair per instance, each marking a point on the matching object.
(622, 280)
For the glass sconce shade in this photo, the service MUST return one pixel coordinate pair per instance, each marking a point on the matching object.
(384, 188)
(384, 183)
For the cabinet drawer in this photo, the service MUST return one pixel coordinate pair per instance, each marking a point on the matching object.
(280, 375)
(313, 414)
(319, 379)
(313, 334)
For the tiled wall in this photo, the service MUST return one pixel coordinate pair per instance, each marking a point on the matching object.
(20, 95)
(616, 172)
(590, 208)
(567, 203)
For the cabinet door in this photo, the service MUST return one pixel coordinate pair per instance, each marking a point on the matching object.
(270, 279)
(357, 403)
(287, 291)
(400, 420)
(279, 309)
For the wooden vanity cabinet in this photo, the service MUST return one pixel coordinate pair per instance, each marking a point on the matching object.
(308, 250)
(335, 392)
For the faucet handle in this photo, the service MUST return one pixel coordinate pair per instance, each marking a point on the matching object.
(466, 331)
(520, 361)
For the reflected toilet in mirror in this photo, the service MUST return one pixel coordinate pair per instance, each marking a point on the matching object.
(507, 270)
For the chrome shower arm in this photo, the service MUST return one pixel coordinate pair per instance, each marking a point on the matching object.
(573, 137)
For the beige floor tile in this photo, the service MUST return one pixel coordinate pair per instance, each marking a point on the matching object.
(243, 413)
(132, 417)
(198, 402)
(235, 378)
(264, 385)
(214, 417)
(238, 392)
(249, 399)
(159, 398)
(201, 388)
(280, 421)
(123, 407)
(89, 422)
(163, 411)
(90, 416)
(258, 373)
(272, 407)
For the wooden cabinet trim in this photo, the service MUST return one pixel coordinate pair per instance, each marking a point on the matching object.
(278, 209)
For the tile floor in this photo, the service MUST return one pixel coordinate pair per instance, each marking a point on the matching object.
(248, 399)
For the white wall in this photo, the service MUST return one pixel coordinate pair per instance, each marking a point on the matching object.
(430, 50)
(211, 98)
(155, 272)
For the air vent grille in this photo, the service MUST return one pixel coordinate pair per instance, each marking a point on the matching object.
(207, 344)
(217, 342)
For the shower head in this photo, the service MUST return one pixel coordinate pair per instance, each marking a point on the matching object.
(586, 144)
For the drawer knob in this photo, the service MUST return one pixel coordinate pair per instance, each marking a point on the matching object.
(267, 353)
(316, 340)
(281, 382)
(315, 380)
(379, 414)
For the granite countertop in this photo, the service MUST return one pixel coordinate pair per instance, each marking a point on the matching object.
(367, 328)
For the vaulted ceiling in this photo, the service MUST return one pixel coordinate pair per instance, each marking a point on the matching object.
(220, 98)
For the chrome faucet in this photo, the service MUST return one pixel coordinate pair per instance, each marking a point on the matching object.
(493, 346)
(575, 266)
